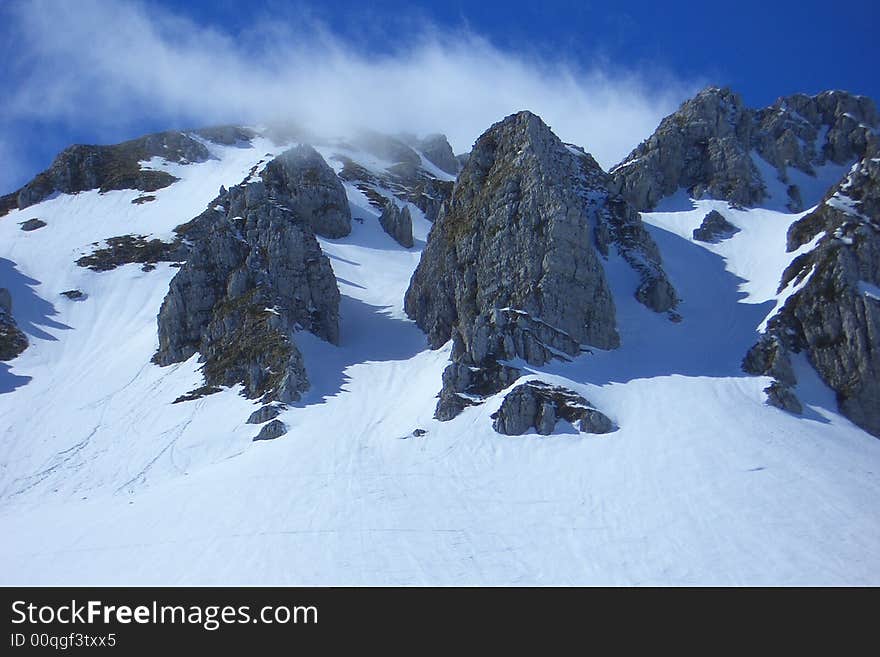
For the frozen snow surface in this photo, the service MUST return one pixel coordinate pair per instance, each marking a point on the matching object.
(104, 481)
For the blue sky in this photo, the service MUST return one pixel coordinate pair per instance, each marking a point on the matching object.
(601, 73)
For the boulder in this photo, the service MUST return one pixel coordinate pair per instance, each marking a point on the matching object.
(264, 414)
(714, 228)
(539, 405)
(275, 429)
(32, 224)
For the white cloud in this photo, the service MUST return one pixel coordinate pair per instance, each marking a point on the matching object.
(112, 64)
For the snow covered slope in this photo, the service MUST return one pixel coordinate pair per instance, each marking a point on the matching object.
(104, 480)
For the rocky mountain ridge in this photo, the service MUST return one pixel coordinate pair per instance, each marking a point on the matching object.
(514, 269)
(833, 312)
(708, 146)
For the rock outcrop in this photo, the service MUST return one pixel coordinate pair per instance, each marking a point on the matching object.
(301, 180)
(438, 151)
(834, 315)
(32, 224)
(254, 276)
(264, 414)
(397, 222)
(714, 228)
(275, 429)
(227, 135)
(126, 249)
(706, 146)
(386, 147)
(80, 168)
(512, 267)
(540, 405)
(403, 176)
(12, 340)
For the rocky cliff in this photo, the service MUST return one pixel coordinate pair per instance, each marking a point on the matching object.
(301, 180)
(254, 276)
(708, 146)
(512, 267)
(404, 174)
(833, 316)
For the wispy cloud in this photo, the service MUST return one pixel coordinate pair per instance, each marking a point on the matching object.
(123, 63)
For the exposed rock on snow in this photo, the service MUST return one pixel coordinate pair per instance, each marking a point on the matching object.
(275, 429)
(539, 405)
(32, 224)
(510, 269)
(264, 414)
(127, 249)
(782, 396)
(79, 168)
(74, 295)
(12, 340)
(301, 180)
(397, 222)
(227, 135)
(706, 146)
(254, 276)
(829, 317)
(714, 228)
(769, 357)
(438, 151)
(406, 181)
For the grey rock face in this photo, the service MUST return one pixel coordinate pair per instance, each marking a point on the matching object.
(300, 179)
(594, 421)
(275, 429)
(397, 222)
(264, 414)
(79, 168)
(12, 340)
(511, 267)
(539, 405)
(388, 148)
(5, 301)
(227, 135)
(32, 224)
(781, 396)
(714, 228)
(705, 147)
(255, 275)
(438, 151)
(74, 295)
(619, 225)
(406, 181)
(835, 317)
(769, 357)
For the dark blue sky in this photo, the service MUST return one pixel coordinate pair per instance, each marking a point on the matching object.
(761, 49)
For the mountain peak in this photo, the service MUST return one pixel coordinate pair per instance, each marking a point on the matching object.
(715, 147)
(513, 268)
